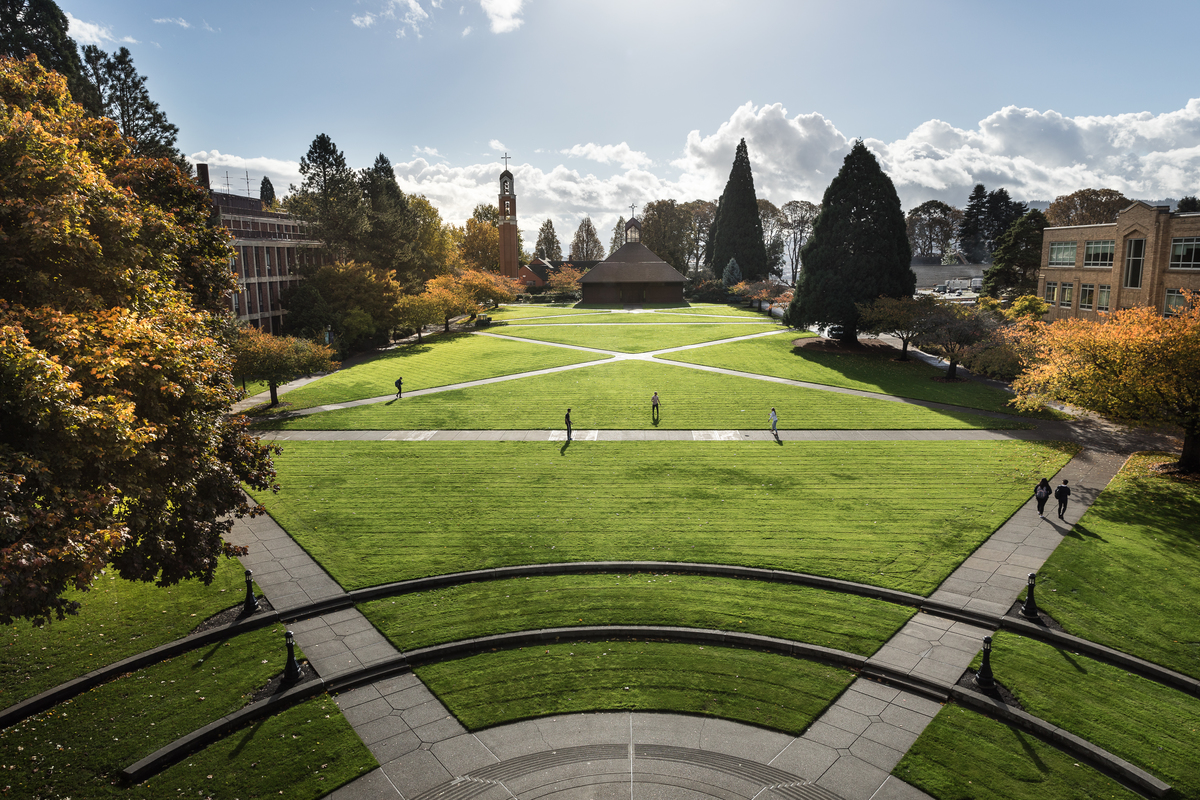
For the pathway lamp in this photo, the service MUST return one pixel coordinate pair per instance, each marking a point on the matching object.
(984, 678)
(291, 672)
(251, 604)
(1030, 609)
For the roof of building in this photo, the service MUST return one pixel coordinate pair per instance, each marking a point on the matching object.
(633, 262)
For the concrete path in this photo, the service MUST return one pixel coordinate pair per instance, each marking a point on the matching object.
(652, 435)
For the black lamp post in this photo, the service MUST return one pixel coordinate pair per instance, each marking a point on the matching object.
(984, 678)
(251, 604)
(291, 672)
(1030, 609)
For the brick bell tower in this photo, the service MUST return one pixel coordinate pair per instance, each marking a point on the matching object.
(510, 253)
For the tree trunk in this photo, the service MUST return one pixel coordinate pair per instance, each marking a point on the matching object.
(903, 350)
(447, 325)
(274, 393)
(952, 370)
(1189, 457)
(419, 340)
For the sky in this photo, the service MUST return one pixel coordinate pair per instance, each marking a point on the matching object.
(603, 104)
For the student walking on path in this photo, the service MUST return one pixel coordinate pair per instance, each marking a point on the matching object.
(654, 407)
(399, 384)
(568, 424)
(1042, 493)
(774, 421)
(1061, 494)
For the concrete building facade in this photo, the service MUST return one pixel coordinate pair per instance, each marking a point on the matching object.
(1149, 256)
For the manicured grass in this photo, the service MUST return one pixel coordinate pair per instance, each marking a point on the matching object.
(616, 396)
(252, 387)
(118, 619)
(763, 689)
(1141, 721)
(647, 318)
(845, 622)
(441, 360)
(309, 749)
(532, 311)
(774, 355)
(896, 514)
(633, 338)
(963, 754)
(722, 310)
(1128, 575)
(77, 748)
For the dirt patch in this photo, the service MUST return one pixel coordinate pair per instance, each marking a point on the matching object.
(230, 615)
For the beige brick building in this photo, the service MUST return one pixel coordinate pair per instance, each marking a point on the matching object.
(1146, 257)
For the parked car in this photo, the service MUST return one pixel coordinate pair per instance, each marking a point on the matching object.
(940, 288)
(834, 332)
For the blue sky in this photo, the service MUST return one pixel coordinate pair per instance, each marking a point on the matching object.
(603, 104)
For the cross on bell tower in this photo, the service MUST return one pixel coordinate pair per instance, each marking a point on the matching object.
(510, 254)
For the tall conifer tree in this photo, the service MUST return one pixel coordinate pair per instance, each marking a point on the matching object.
(266, 192)
(737, 228)
(548, 245)
(858, 251)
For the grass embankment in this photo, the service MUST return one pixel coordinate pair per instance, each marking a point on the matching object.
(1143, 722)
(632, 337)
(774, 355)
(441, 360)
(896, 514)
(77, 748)
(964, 755)
(763, 689)
(533, 310)
(844, 622)
(651, 318)
(721, 310)
(616, 396)
(118, 619)
(1128, 574)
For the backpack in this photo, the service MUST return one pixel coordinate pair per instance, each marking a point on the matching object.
(1042, 493)
(1062, 492)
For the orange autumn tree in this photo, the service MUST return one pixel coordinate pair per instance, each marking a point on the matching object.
(116, 443)
(1134, 365)
(278, 359)
(565, 280)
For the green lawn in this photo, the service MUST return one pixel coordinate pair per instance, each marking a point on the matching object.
(77, 748)
(764, 689)
(616, 396)
(721, 310)
(1128, 575)
(632, 337)
(534, 310)
(1141, 721)
(845, 622)
(440, 361)
(118, 619)
(963, 754)
(896, 514)
(774, 355)
(649, 318)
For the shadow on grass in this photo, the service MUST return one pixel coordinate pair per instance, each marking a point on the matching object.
(1081, 531)
(1030, 752)
(1159, 505)
(1067, 657)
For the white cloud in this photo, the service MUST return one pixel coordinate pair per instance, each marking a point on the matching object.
(93, 32)
(466, 31)
(410, 14)
(180, 21)
(429, 151)
(505, 15)
(621, 154)
(281, 173)
(497, 146)
(365, 21)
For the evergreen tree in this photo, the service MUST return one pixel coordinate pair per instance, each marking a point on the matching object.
(618, 237)
(125, 100)
(737, 230)
(665, 228)
(1188, 205)
(387, 239)
(586, 245)
(329, 198)
(858, 250)
(1002, 212)
(1017, 258)
(39, 27)
(732, 274)
(972, 230)
(266, 192)
(548, 246)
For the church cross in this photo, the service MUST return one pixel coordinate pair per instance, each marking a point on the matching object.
(505, 157)
(632, 209)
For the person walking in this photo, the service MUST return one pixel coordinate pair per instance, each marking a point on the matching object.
(399, 386)
(1042, 493)
(1061, 494)
(568, 424)
(774, 421)
(654, 407)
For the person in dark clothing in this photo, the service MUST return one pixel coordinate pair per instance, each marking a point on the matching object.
(1042, 493)
(1061, 494)
(654, 407)
(399, 383)
(568, 424)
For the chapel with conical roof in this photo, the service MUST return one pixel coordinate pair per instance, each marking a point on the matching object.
(631, 275)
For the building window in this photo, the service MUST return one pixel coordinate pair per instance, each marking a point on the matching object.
(1062, 254)
(1051, 293)
(1185, 253)
(1102, 297)
(1099, 254)
(1064, 295)
(1135, 258)
(1087, 296)
(1175, 302)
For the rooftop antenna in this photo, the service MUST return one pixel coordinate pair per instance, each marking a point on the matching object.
(247, 183)
(227, 190)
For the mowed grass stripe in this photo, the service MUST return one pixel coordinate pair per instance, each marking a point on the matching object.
(616, 396)
(633, 338)
(775, 355)
(644, 318)
(764, 689)
(895, 514)
(440, 361)
(799, 613)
